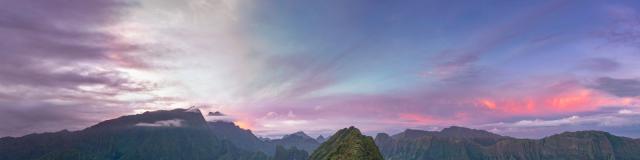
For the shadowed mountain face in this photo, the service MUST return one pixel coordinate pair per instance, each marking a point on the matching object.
(175, 134)
(182, 118)
(469, 144)
(245, 139)
(320, 139)
(185, 134)
(347, 144)
(240, 137)
(299, 140)
(292, 153)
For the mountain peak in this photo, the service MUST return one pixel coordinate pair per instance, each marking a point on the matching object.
(320, 139)
(456, 131)
(193, 109)
(348, 143)
(414, 133)
(216, 113)
(583, 134)
(160, 118)
(299, 134)
(298, 139)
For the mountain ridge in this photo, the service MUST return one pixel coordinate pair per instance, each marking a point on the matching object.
(185, 134)
(347, 144)
(479, 144)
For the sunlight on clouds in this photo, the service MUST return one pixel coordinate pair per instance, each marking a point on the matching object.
(488, 104)
(244, 124)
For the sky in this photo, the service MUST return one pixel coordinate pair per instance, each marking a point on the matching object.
(526, 69)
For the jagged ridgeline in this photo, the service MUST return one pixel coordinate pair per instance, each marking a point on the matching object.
(187, 134)
(458, 143)
(347, 144)
(159, 135)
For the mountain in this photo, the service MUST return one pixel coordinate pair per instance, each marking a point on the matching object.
(245, 139)
(241, 138)
(299, 140)
(181, 118)
(320, 139)
(470, 144)
(174, 134)
(186, 134)
(292, 153)
(217, 113)
(347, 144)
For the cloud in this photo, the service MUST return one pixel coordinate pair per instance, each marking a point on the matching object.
(58, 43)
(451, 61)
(21, 117)
(600, 64)
(226, 118)
(626, 29)
(547, 123)
(618, 86)
(62, 67)
(163, 123)
(613, 120)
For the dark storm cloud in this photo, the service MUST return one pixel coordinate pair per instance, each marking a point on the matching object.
(49, 51)
(618, 87)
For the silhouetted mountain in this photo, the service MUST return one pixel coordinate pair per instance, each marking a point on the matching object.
(217, 113)
(175, 134)
(461, 132)
(242, 138)
(465, 144)
(181, 117)
(320, 139)
(185, 134)
(292, 153)
(347, 144)
(245, 139)
(453, 131)
(299, 140)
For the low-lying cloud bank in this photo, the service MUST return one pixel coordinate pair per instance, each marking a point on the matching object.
(163, 123)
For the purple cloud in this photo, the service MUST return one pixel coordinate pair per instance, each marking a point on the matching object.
(600, 64)
(58, 67)
(618, 86)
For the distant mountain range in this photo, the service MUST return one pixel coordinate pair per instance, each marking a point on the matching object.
(186, 134)
(469, 144)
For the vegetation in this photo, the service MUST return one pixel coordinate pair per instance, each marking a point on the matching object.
(186, 135)
(457, 143)
(347, 144)
(290, 154)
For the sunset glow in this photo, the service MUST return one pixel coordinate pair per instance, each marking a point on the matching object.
(517, 68)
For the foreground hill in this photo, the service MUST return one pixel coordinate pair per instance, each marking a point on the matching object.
(469, 144)
(347, 144)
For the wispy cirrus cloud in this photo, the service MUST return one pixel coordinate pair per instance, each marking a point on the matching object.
(278, 66)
